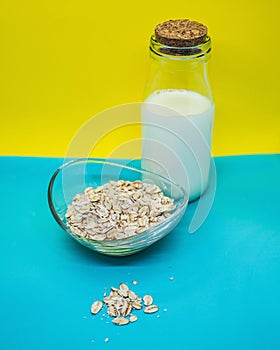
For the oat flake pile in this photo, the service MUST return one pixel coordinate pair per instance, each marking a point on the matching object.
(118, 210)
(122, 302)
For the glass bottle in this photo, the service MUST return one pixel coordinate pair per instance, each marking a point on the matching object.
(177, 115)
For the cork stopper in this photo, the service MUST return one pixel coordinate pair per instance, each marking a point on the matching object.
(181, 33)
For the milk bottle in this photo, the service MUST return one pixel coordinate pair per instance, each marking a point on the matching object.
(178, 111)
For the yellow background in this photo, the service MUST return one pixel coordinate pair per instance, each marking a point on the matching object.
(63, 61)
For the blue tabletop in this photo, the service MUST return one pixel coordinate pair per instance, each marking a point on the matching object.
(225, 287)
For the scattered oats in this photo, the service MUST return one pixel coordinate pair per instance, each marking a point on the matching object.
(132, 318)
(151, 309)
(136, 305)
(125, 308)
(148, 300)
(164, 309)
(120, 321)
(106, 299)
(106, 340)
(134, 282)
(121, 302)
(118, 210)
(96, 307)
(113, 311)
(171, 278)
(132, 296)
(123, 289)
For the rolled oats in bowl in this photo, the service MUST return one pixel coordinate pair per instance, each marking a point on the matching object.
(113, 208)
(118, 210)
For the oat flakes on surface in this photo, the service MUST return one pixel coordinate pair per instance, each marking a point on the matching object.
(151, 309)
(121, 302)
(148, 300)
(96, 307)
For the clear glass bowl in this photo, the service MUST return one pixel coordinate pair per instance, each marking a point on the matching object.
(76, 175)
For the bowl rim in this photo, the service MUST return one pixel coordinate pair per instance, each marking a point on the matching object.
(114, 242)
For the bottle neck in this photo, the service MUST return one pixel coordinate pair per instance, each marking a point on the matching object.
(189, 53)
(183, 68)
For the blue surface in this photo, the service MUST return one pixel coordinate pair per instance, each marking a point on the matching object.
(226, 288)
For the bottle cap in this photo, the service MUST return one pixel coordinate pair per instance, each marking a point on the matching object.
(181, 33)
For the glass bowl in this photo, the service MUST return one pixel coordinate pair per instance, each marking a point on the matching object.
(75, 176)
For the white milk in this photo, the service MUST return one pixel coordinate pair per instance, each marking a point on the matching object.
(176, 132)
